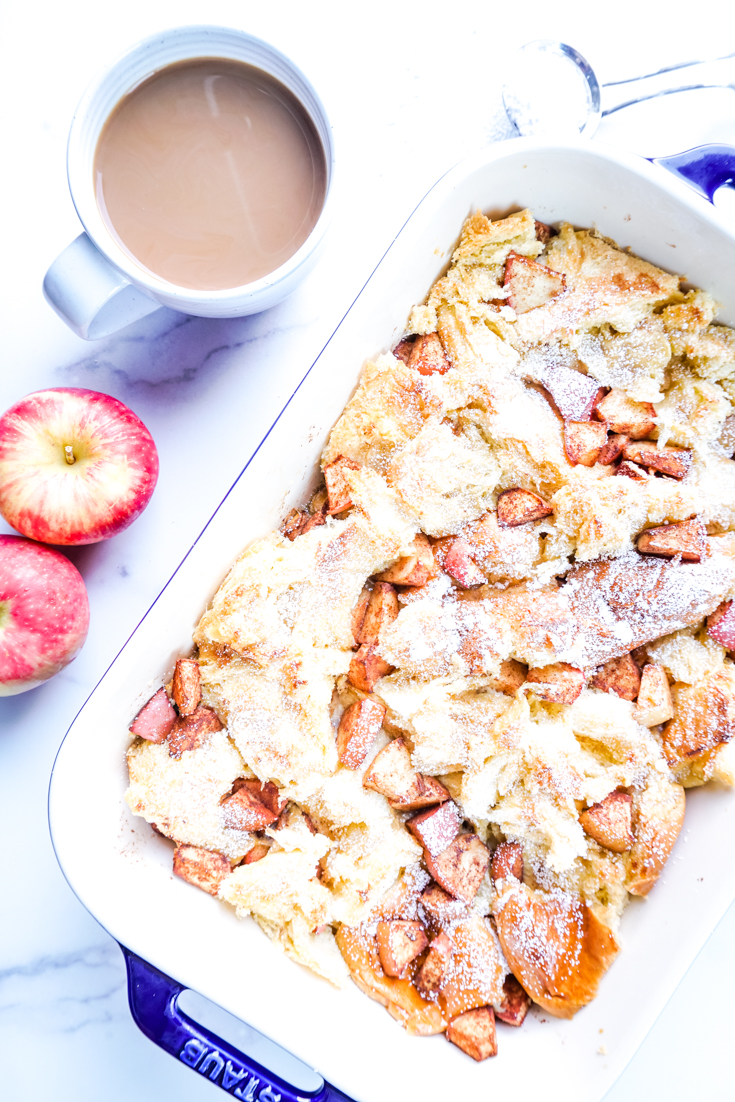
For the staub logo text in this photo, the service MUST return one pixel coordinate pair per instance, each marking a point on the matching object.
(212, 1064)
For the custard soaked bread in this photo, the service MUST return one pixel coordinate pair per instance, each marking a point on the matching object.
(437, 730)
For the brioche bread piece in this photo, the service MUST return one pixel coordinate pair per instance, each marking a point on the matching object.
(605, 286)
(390, 406)
(556, 947)
(658, 816)
(475, 973)
(703, 719)
(181, 796)
(403, 1002)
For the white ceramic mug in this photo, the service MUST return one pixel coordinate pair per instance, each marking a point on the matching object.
(94, 285)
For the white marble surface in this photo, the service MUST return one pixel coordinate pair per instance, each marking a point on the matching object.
(411, 89)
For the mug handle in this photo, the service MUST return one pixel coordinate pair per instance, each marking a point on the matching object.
(153, 998)
(90, 295)
(706, 168)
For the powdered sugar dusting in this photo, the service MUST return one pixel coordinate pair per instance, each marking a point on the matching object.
(622, 603)
(440, 828)
(547, 932)
(573, 392)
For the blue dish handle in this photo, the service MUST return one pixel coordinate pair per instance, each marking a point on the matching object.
(153, 998)
(705, 168)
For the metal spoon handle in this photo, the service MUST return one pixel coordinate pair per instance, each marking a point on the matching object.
(719, 73)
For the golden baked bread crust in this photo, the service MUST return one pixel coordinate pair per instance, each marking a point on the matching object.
(556, 947)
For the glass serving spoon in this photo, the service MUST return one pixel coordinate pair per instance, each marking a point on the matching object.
(552, 91)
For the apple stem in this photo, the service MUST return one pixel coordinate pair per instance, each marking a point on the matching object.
(69, 454)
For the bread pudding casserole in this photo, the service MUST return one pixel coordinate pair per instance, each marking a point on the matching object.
(438, 729)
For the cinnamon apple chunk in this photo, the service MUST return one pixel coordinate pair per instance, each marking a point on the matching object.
(248, 807)
(474, 1032)
(187, 686)
(460, 867)
(440, 908)
(358, 614)
(572, 395)
(312, 520)
(529, 284)
(257, 853)
(392, 774)
(417, 568)
(404, 348)
(610, 822)
(155, 720)
(625, 415)
(358, 729)
(631, 470)
(436, 828)
(192, 731)
(518, 506)
(654, 697)
(399, 943)
(460, 565)
(558, 683)
(381, 609)
(367, 667)
(507, 862)
(338, 488)
(432, 792)
(721, 625)
(515, 1003)
(293, 524)
(268, 794)
(674, 462)
(584, 441)
(688, 539)
(510, 677)
(620, 676)
(612, 449)
(433, 971)
(428, 357)
(204, 868)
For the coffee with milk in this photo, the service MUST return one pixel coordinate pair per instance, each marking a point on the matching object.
(210, 174)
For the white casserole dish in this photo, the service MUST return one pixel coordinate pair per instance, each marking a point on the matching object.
(121, 871)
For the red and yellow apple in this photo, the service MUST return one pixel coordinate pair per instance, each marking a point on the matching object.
(44, 613)
(76, 466)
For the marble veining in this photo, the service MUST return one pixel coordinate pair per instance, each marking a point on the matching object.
(65, 992)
